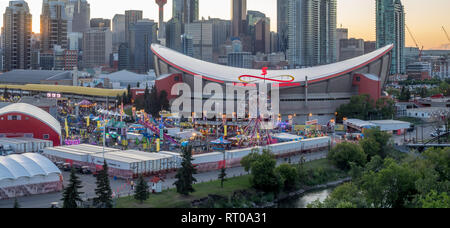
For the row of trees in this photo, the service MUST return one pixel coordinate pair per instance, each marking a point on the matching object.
(385, 179)
(72, 194)
(267, 177)
(405, 94)
(153, 101)
(363, 107)
(433, 81)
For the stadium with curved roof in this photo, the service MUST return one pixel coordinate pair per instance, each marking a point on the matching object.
(28, 174)
(314, 92)
(25, 120)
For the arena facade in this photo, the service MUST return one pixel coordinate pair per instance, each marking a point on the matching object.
(312, 93)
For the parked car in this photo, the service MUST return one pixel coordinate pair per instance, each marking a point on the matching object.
(77, 168)
(60, 165)
(66, 167)
(436, 134)
(85, 170)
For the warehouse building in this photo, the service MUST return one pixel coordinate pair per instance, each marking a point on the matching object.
(122, 164)
(28, 174)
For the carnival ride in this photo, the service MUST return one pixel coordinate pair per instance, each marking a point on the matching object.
(148, 124)
(256, 133)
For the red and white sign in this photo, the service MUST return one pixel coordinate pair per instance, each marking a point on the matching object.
(312, 122)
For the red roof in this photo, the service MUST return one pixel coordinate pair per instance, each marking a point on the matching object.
(155, 180)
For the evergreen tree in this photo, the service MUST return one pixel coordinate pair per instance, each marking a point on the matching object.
(16, 203)
(141, 191)
(6, 93)
(405, 95)
(129, 96)
(164, 101)
(147, 100)
(154, 103)
(185, 175)
(118, 99)
(124, 98)
(103, 190)
(222, 176)
(71, 195)
(138, 85)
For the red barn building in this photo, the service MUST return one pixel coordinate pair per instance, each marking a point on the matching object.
(24, 120)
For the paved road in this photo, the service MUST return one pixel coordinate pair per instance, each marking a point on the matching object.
(121, 186)
(427, 130)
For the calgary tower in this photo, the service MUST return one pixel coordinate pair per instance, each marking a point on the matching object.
(161, 4)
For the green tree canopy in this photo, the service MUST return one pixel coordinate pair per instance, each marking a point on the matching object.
(264, 177)
(359, 107)
(247, 161)
(378, 136)
(435, 200)
(345, 153)
(289, 176)
(346, 195)
(393, 186)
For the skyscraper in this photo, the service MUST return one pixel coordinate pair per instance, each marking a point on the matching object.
(100, 23)
(282, 24)
(142, 35)
(187, 11)
(131, 17)
(191, 11)
(53, 25)
(262, 36)
(311, 32)
(97, 45)
(350, 48)
(173, 34)
(390, 22)
(177, 9)
(118, 29)
(327, 33)
(16, 36)
(221, 32)
(341, 33)
(81, 15)
(201, 33)
(187, 45)
(124, 56)
(238, 17)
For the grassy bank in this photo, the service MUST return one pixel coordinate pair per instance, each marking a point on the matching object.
(319, 172)
(171, 199)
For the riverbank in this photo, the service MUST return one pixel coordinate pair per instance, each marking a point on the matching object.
(299, 193)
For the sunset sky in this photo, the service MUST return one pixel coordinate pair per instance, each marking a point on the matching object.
(425, 18)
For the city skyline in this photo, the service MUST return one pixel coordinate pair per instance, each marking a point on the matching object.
(426, 27)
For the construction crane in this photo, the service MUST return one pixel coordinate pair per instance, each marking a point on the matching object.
(446, 34)
(415, 42)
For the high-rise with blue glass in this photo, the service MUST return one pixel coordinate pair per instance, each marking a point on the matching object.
(390, 17)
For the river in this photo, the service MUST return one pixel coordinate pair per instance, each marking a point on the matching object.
(306, 199)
